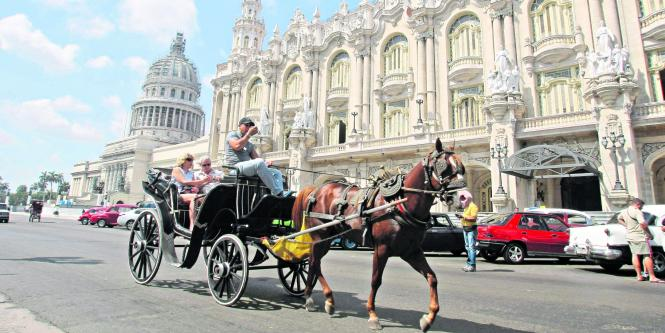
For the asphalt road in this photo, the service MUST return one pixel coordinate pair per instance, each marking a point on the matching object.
(75, 278)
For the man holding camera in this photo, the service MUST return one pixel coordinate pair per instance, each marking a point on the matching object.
(470, 229)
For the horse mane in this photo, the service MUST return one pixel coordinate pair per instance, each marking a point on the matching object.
(299, 206)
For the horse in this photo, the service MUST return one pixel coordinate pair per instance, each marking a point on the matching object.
(393, 230)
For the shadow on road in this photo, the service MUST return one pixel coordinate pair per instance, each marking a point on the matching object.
(600, 270)
(60, 260)
(194, 287)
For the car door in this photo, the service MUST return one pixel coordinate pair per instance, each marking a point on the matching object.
(534, 233)
(437, 238)
(559, 235)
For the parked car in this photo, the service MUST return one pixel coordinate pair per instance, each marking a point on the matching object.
(572, 218)
(444, 236)
(345, 243)
(4, 213)
(109, 217)
(85, 216)
(127, 218)
(606, 244)
(519, 235)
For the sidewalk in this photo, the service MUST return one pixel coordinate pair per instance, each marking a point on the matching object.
(18, 320)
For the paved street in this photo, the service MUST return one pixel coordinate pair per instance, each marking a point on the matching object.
(75, 278)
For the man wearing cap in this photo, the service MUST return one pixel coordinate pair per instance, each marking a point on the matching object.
(241, 154)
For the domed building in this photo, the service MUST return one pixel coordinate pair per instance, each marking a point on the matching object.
(166, 114)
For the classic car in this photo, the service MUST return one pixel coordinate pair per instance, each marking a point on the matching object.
(606, 244)
(443, 236)
(572, 218)
(109, 217)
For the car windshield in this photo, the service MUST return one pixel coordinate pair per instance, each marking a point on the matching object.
(497, 219)
(3, 206)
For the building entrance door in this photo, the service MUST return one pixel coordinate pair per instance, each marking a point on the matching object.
(581, 193)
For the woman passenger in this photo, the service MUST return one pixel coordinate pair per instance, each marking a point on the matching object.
(188, 187)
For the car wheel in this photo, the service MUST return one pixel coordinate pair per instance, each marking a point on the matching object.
(456, 253)
(563, 260)
(611, 267)
(129, 224)
(348, 244)
(489, 255)
(85, 221)
(514, 253)
(659, 263)
(101, 223)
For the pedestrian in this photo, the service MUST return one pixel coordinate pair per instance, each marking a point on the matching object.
(638, 236)
(207, 170)
(240, 153)
(469, 228)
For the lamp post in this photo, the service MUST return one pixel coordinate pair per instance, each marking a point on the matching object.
(614, 142)
(419, 101)
(498, 152)
(354, 114)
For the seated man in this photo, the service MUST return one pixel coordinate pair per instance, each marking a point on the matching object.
(188, 187)
(207, 171)
(241, 154)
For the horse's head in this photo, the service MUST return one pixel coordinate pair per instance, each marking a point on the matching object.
(442, 166)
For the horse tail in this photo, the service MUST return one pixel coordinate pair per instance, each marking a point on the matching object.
(299, 206)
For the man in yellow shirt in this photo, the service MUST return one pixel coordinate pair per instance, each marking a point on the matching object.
(470, 228)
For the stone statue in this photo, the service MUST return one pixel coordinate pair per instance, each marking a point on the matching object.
(591, 65)
(266, 122)
(299, 120)
(501, 61)
(605, 41)
(513, 81)
(307, 110)
(620, 59)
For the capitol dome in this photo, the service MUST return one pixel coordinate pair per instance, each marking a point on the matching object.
(168, 107)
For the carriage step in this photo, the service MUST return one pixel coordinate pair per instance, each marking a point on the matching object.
(259, 257)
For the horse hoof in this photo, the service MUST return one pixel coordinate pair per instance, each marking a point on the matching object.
(424, 324)
(309, 305)
(330, 308)
(374, 324)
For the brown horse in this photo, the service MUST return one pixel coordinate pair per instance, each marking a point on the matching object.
(394, 230)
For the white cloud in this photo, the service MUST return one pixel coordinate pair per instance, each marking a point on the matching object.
(49, 117)
(119, 115)
(55, 158)
(99, 62)
(96, 27)
(6, 138)
(158, 19)
(136, 64)
(17, 35)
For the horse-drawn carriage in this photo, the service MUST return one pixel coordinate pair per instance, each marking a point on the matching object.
(236, 214)
(36, 210)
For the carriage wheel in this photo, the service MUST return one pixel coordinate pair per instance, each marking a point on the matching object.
(145, 253)
(227, 269)
(294, 276)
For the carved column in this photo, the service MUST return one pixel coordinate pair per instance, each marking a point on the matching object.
(356, 91)
(366, 99)
(510, 36)
(422, 70)
(315, 96)
(431, 78)
(308, 83)
(232, 111)
(596, 14)
(497, 32)
(612, 18)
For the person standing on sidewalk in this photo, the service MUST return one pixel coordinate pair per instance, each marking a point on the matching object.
(469, 227)
(637, 236)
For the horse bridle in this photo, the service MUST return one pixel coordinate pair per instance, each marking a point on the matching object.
(435, 166)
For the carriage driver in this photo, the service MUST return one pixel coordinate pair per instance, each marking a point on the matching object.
(241, 154)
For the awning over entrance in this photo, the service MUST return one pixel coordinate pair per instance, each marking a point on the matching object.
(549, 161)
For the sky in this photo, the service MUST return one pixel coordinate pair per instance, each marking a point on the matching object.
(71, 69)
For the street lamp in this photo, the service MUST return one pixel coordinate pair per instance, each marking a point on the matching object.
(354, 114)
(419, 101)
(614, 142)
(498, 152)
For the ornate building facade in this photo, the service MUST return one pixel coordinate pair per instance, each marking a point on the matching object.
(166, 114)
(554, 102)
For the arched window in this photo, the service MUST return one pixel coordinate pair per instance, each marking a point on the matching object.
(656, 61)
(559, 91)
(648, 7)
(285, 137)
(162, 91)
(467, 108)
(465, 38)
(336, 128)
(245, 42)
(172, 92)
(153, 92)
(182, 94)
(551, 18)
(339, 71)
(396, 55)
(256, 43)
(395, 119)
(255, 95)
(190, 97)
(293, 84)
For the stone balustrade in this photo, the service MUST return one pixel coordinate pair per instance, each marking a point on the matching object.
(552, 40)
(556, 120)
(465, 61)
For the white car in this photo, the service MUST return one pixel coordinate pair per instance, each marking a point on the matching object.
(573, 218)
(127, 218)
(606, 244)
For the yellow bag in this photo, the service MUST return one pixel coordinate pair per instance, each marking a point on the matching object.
(292, 250)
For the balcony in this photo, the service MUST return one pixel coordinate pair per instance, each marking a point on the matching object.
(569, 123)
(653, 25)
(553, 49)
(291, 106)
(465, 68)
(649, 114)
(394, 84)
(338, 96)
(278, 156)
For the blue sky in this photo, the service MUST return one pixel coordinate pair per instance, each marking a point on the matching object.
(71, 69)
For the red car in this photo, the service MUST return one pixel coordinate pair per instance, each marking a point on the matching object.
(85, 216)
(516, 236)
(109, 216)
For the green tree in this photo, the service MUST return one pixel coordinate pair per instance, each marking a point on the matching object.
(20, 197)
(63, 187)
(4, 188)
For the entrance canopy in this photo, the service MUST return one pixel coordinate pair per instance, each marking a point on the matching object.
(548, 161)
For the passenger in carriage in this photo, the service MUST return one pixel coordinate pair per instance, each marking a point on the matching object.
(207, 171)
(188, 187)
(241, 154)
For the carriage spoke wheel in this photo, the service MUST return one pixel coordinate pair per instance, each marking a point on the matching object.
(228, 269)
(294, 276)
(145, 253)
